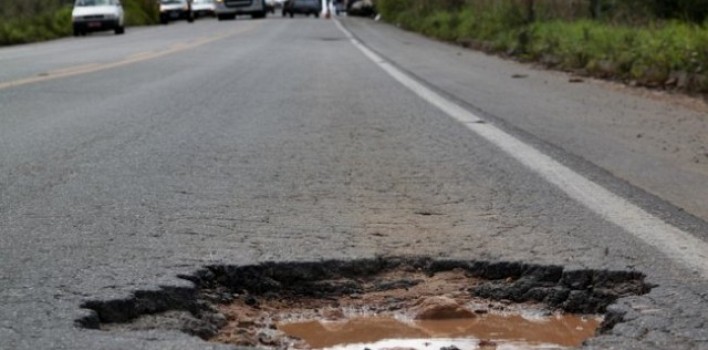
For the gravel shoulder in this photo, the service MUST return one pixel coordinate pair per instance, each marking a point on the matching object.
(654, 140)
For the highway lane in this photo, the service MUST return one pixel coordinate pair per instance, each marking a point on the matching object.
(249, 141)
(101, 48)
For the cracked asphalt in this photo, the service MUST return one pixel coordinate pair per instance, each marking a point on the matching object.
(280, 141)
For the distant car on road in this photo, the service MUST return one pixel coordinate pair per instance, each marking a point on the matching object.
(96, 15)
(229, 9)
(203, 8)
(339, 7)
(270, 5)
(363, 8)
(303, 7)
(171, 10)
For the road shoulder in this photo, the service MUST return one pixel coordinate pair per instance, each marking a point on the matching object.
(654, 141)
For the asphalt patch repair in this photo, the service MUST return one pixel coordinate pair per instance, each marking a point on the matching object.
(382, 303)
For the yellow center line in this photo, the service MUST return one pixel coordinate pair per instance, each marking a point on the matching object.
(69, 70)
(139, 57)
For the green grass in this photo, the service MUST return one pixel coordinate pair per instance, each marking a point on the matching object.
(36, 28)
(650, 55)
(140, 12)
(656, 53)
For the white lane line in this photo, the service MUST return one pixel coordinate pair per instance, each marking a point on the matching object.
(676, 244)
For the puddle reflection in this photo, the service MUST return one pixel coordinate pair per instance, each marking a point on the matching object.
(488, 331)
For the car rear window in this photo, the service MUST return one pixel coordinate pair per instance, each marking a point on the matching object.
(95, 2)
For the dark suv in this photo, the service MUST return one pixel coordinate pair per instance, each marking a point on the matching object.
(303, 7)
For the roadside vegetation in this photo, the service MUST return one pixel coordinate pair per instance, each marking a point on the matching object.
(660, 43)
(37, 20)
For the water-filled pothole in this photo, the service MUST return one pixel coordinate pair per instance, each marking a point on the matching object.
(436, 303)
(402, 309)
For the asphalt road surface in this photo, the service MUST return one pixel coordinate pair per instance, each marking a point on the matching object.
(127, 160)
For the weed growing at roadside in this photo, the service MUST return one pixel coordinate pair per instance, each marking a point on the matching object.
(657, 53)
(42, 27)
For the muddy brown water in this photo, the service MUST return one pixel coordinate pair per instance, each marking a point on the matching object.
(485, 331)
(435, 312)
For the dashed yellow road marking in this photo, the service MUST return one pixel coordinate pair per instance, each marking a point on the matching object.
(140, 55)
(135, 58)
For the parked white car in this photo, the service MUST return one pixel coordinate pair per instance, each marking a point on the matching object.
(203, 8)
(97, 15)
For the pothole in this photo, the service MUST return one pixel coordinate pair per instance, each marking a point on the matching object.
(402, 308)
(386, 303)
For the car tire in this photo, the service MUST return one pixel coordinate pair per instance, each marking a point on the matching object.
(317, 15)
(77, 31)
(226, 17)
(292, 14)
(119, 30)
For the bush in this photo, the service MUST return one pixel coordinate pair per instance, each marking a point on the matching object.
(391, 10)
(441, 25)
(45, 26)
(656, 53)
(140, 12)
